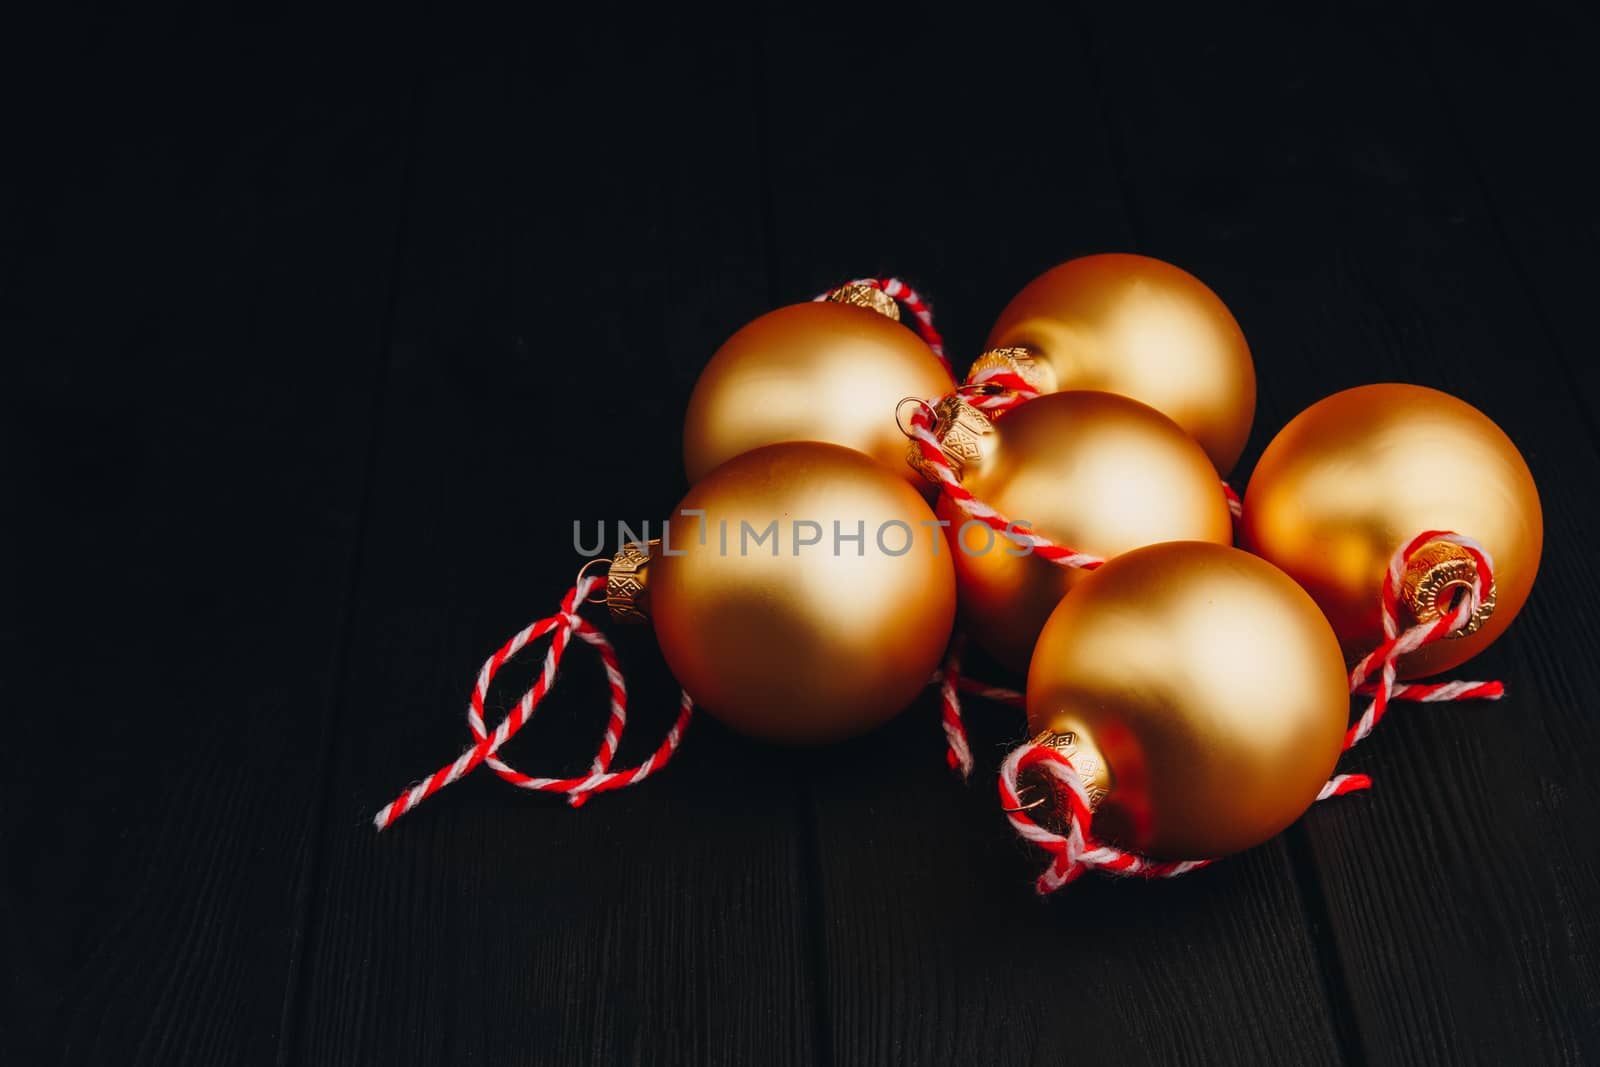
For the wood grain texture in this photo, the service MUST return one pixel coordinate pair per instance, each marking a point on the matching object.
(576, 249)
(1354, 232)
(938, 950)
(322, 337)
(192, 327)
(1515, 105)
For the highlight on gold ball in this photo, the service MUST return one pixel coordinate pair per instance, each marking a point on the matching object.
(1139, 327)
(815, 602)
(829, 370)
(1099, 472)
(1205, 690)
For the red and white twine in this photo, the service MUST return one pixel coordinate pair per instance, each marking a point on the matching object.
(928, 446)
(1383, 661)
(995, 390)
(1077, 850)
(561, 627)
(958, 751)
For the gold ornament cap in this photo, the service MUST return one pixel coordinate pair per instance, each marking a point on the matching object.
(1437, 575)
(628, 582)
(965, 436)
(1020, 360)
(867, 296)
(1052, 810)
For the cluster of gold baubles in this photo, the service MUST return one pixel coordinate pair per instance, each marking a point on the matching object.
(1205, 685)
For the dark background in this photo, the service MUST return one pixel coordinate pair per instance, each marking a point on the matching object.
(318, 336)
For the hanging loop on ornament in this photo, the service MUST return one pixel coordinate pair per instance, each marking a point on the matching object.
(1427, 596)
(1025, 807)
(583, 572)
(923, 408)
(561, 627)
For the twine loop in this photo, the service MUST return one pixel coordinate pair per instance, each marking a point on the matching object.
(561, 627)
(1077, 850)
(1382, 663)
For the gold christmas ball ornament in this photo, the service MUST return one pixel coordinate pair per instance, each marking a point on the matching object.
(1096, 471)
(1358, 475)
(826, 371)
(1140, 327)
(1203, 695)
(802, 592)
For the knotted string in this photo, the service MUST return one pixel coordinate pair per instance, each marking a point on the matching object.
(1383, 661)
(561, 627)
(1077, 851)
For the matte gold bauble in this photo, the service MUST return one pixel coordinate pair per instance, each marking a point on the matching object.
(811, 600)
(1095, 471)
(1357, 475)
(1204, 695)
(1143, 328)
(810, 372)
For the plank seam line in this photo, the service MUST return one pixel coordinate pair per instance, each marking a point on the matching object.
(305, 907)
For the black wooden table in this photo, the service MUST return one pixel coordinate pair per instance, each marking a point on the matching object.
(318, 338)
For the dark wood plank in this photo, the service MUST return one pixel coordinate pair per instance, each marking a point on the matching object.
(1308, 169)
(1516, 103)
(194, 294)
(192, 321)
(970, 177)
(586, 227)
